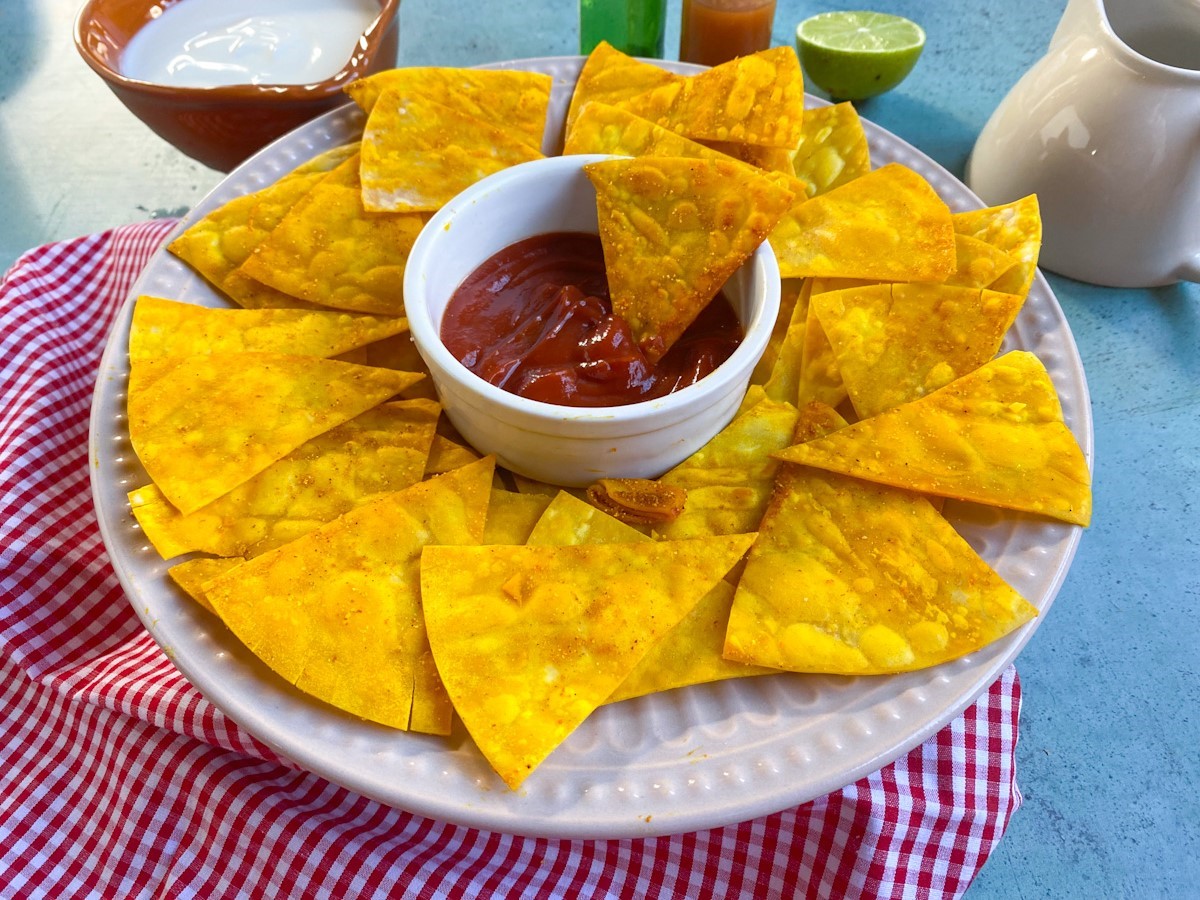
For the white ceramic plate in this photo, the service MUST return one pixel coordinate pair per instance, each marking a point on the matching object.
(689, 759)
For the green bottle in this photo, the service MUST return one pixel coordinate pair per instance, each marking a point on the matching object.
(635, 27)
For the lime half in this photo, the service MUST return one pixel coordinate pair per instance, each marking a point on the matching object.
(853, 55)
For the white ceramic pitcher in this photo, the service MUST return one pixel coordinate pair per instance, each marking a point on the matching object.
(1105, 129)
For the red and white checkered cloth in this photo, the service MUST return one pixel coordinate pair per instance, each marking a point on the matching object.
(119, 780)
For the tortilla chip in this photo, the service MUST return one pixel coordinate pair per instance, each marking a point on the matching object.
(820, 378)
(163, 328)
(215, 421)
(637, 501)
(218, 244)
(337, 612)
(792, 294)
(514, 100)
(381, 451)
(601, 128)
(1015, 228)
(754, 99)
(978, 264)
(673, 231)
(512, 516)
(690, 653)
(898, 342)
(728, 481)
(610, 76)
(418, 153)
(994, 436)
(195, 573)
(530, 640)
(445, 455)
(833, 148)
(887, 225)
(330, 251)
(818, 594)
(783, 383)
(569, 521)
(770, 159)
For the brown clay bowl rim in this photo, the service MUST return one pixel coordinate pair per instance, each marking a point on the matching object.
(360, 59)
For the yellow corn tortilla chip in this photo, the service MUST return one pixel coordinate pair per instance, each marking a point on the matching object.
(601, 128)
(978, 264)
(887, 225)
(164, 329)
(754, 99)
(530, 640)
(833, 148)
(820, 379)
(511, 99)
(728, 481)
(792, 294)
(610, 76)
(690, 653)
(330, 251)
(770, 159)
(446, 455)
(783, 382)
(417, 153)
(192, 575)
(215, 421)
(852, 578)
(994, 436)
(674, 230)
(218, 244)
(1015, 228)
(337, 612)
(898, 342)
(512, 516)
(380, 451)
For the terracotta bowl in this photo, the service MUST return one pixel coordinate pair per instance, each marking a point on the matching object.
(221, 126)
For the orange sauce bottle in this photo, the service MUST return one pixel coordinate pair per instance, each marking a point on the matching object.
(715, 31)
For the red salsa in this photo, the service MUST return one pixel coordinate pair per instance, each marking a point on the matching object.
(536, 320)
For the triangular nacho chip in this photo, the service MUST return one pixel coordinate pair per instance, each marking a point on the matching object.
(793, 301)
(833, 148)
(674, 230)
(783, 382)
(446, 455)
(512, 516)
(192, 575)
(218, 244)
(380, 451)
(1015, 228)
(511, 99)
(530, 640)
(728, 480)
(754, 99)
(163, 328)
(898, 342)
(330, 251)
(978, 264)
(337, 612)
(418, 153)
(887, 225)
(995, 436)
(610, 76)
(215, 421)
(819, 595)
(602, 128)
(690, 653)
(820, 378)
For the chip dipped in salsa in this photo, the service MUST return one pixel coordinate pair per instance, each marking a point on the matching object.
(536, 320)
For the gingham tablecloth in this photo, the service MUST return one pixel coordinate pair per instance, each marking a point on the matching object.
(119, 780)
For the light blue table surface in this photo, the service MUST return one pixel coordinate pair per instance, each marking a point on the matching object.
(1109, 755)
